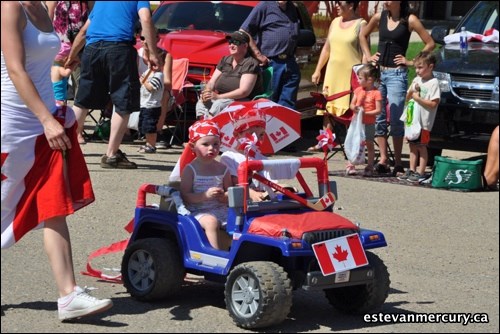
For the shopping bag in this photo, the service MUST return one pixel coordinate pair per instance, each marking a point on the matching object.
(354, 144)
(462, 175)
(411, 119)
(133, 120)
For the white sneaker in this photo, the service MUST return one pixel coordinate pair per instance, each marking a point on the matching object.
(79, 303)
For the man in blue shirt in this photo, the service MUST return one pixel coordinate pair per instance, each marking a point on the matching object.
(109, 66)
(274, 29)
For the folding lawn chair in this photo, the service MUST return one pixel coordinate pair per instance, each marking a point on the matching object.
(102, 122)
(176, 120)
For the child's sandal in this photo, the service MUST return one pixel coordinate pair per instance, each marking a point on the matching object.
(147, 149)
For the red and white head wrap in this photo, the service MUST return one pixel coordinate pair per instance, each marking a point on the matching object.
(203, 128)
(245, 119)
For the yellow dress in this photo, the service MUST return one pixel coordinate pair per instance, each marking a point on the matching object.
(345, 52)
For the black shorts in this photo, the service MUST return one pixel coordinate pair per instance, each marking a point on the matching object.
(148, 119)
(109, 70)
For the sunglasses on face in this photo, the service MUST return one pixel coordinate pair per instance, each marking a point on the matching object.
(235, 42)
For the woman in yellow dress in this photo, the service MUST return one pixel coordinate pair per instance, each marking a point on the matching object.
(341, 51)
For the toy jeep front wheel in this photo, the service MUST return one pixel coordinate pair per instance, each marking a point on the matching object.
(361, 299)
(258, 294)
(152, 269)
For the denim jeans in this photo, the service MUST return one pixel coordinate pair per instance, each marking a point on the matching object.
(393, 87)
(109, 68)
(286, 80)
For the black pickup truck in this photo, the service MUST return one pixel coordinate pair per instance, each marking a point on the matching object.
(468, 111)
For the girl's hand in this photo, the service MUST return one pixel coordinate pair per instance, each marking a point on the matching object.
(56, 135)
(215, 192)
(374, 58)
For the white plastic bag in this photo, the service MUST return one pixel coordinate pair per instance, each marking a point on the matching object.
(354, 144)
(411, 119)
(133, 121)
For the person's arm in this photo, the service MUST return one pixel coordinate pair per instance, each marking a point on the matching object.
(51, 7)
(354, 101)
(377, 110)
(416, 25)
(364, 35)
(78, 44)
(263, 60)
(149, 32)
(167, 91)
(13, 24)
(323, 58)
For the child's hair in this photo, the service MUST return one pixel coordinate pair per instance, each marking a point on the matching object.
(425, 57)
(370, 71)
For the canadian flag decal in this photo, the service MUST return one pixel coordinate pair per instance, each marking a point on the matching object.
(340, 254)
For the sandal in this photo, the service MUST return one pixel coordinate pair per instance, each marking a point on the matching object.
(147, 149)
(351, 170)
(314, 148)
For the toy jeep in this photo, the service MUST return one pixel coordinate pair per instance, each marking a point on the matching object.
(275, 248)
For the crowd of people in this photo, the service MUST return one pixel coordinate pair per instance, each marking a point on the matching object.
(43, 45)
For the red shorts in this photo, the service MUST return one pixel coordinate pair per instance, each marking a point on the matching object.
(423, 139)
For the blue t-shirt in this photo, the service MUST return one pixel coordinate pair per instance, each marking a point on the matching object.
(114, 21)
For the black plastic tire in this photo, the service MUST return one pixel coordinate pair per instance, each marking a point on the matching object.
(361, 299)
(258, 294)
(152, 269)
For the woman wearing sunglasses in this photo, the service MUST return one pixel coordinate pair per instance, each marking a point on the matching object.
(236, 77)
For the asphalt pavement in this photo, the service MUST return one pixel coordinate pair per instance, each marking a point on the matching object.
(442, 255)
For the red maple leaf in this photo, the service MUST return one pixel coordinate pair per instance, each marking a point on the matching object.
(340, 255)
(3, 158)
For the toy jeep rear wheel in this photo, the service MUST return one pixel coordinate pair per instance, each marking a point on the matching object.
(152, 269)
(361, 299)
(258, 294)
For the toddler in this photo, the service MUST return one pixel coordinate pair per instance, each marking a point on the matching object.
(204, 183)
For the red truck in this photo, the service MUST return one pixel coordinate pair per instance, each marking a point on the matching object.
(197, 30)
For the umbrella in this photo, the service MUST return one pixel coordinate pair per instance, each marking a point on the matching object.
(282, 124)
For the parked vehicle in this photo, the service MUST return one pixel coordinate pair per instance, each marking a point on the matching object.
(468, 110)
(197, 30)
(271, 253)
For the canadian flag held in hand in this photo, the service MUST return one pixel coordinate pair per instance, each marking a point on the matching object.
(340, 254)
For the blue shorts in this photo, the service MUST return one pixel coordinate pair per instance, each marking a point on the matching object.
(148, 118)
(109, 70)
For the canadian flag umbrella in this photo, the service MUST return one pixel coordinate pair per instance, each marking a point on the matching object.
(282, 124)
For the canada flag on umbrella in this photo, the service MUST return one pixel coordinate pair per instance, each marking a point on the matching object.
(340, 254)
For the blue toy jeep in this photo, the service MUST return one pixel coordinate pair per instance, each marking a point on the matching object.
(273, 250)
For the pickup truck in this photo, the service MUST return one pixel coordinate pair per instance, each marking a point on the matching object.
(468, 110)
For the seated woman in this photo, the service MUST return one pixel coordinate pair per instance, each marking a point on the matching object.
(237, 77)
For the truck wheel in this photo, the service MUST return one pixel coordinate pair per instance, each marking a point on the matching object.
(361, 299)
(152, 269)
(258, 294)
